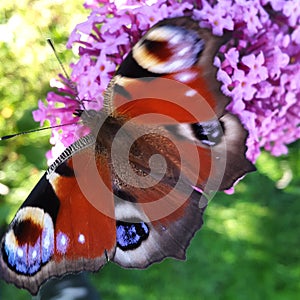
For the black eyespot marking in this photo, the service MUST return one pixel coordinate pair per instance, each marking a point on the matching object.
(131, 69)
(124, 195)
(119, 89)
(158, 47)
(131, 235)
(65, 170)
(27, 231)
(43, 196)
(209, 133)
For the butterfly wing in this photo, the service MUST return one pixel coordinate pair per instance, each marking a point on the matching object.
(57, 230)
(169, 79)
(169, 73)
(179, 50)
(157, 210)
(141, 241)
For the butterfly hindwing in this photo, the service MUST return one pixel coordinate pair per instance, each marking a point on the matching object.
(157, 206)
(168, 236)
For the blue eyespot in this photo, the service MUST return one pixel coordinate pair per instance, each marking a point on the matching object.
(131, 235)
(29, 244)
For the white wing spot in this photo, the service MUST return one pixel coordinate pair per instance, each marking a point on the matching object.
(20, 252)
(81, 239)
(63, 240)
(185, 76)
(190, 93)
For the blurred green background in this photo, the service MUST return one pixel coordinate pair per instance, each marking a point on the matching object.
(249, 247)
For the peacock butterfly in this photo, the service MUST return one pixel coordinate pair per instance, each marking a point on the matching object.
(134, 190)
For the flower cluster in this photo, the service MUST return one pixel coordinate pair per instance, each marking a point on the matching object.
(259, 67)
(260, 70)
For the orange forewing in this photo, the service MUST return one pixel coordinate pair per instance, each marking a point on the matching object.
(164, 96)
(79, 217)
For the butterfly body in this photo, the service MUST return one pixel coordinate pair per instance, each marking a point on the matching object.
(134, 190)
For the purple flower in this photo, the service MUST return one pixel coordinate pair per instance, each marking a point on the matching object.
(291, 9)
(218, 17)
(243, 85)
(259, 68)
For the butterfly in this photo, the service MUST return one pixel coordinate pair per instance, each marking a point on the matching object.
(134, 190)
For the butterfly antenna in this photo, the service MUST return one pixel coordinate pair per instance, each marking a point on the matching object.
(6, 137)
(63, 69)
(58, 59)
